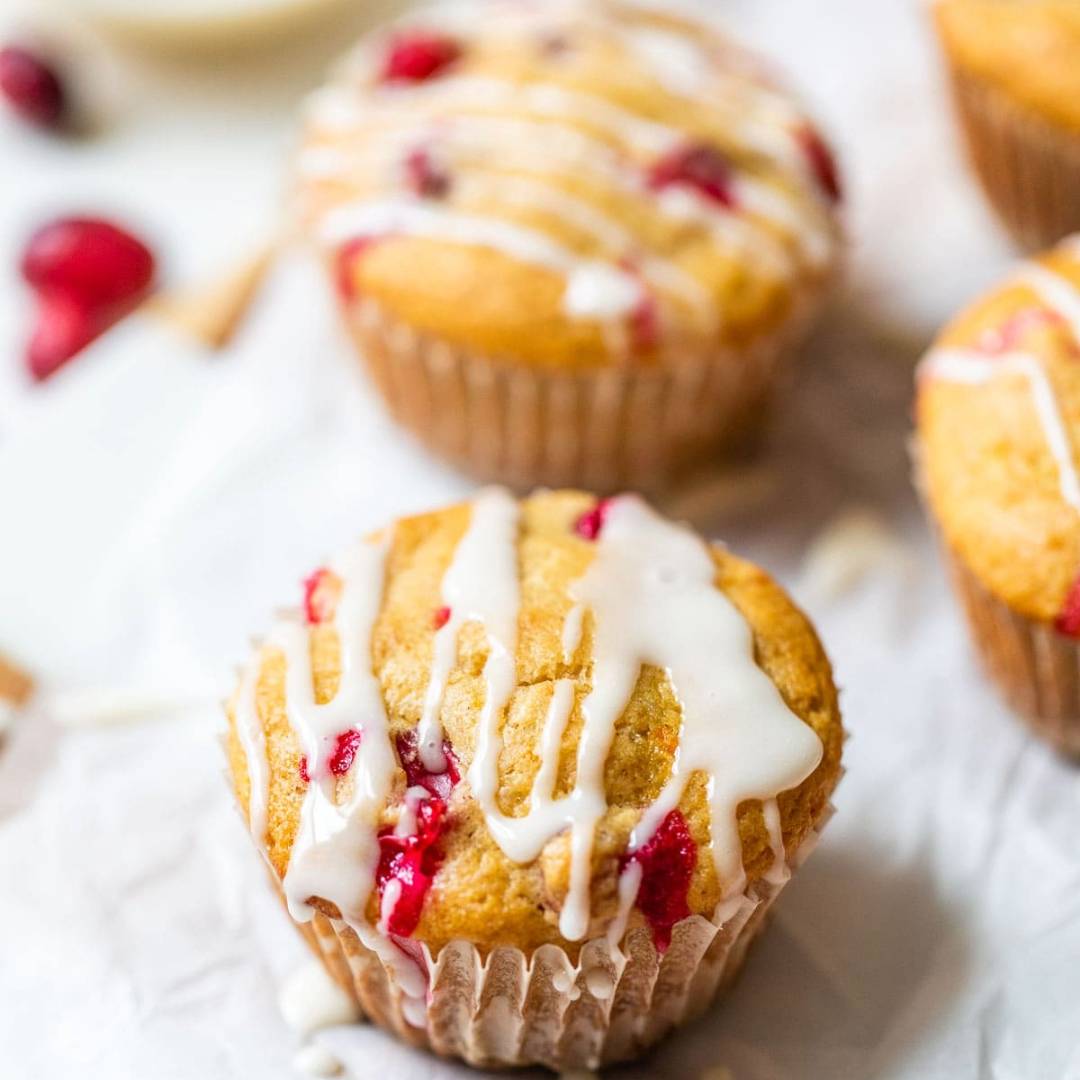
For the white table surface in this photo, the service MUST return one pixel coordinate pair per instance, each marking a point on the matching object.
(936, 932)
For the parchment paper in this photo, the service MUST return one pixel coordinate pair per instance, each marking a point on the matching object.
(935, 934)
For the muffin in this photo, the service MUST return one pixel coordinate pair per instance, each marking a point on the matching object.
(572, 241)
(529, 775)
(998, 413)
(1015, 72)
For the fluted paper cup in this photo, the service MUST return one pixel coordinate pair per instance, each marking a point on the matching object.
(1036, 667)
(507, 1009)
(626, 425)
(1028, 166)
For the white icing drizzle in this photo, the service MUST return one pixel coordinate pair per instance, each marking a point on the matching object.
(975, 368)
(249, 731)
(480, 585)
(572, 631)
(650, 590)
(779, 871)
(587, 279)
(1056, 291)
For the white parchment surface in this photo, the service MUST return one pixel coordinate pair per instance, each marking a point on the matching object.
(934, 935)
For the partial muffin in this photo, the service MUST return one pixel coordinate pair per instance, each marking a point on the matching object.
(572, 241)
(1015, 67)
(998, 430)
(529, 775)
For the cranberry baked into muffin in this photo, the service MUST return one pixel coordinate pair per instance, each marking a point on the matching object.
(529, 775)
(572, 240)
(1015, 67)
(998, 430)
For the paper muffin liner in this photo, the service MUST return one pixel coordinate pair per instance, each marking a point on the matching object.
(506, 1009)
(1036, 668)
(1028, 166)
(605, 429)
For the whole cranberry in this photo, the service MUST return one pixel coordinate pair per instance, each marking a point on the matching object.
(31, 87)
(95, 259)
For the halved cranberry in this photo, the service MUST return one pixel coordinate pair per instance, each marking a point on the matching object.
(591, 523)
(413, 862)
(65, 325)
(321, 592)
(417, 774)
(346, 264)
(1068, 622)
(440, 618)
(1007, 337)
(667, 864)
(821, 161)
(419, 55)
(700, 166)
(425, 176)
(341, 760)
(31, 86)
(94, 259)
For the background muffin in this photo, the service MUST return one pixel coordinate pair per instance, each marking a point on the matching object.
(1015, 70)
(571, 240)
(463, 771)
(998, 425)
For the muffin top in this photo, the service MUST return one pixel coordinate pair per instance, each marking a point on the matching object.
(527, 723)
(1028, 48)
(999, 430)
(581, 181)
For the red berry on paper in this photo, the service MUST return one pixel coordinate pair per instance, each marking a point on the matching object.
(65, 325)
(419, 55)
(31, 87)
(700, 166)
(98, 261)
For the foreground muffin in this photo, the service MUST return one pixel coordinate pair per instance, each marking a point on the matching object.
(529, 775)
(1015, 67)
(998, 430)
(572, 240)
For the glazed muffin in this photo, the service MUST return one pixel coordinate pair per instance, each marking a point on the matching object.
(998, 430)
(572, 240)
(529, 775)
(1015, 68)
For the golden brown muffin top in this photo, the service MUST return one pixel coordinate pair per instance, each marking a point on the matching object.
(999, 426)
(567, 183)
(473, 889)
(1028, 48)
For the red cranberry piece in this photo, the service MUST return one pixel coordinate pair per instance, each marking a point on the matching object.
(97, 260)
(645, 322)
(417, 774)
(412, 861)
(1068, 622)
(341, 760)
(418, 56)
(591, 523)
(1015, 329)
(440, 618)
(346, 265)
(66, 324)
(32, 88)
(697, 165)
(304, 774)
(821, 162)
(667, 863)
(425, 176)
(321, 591)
